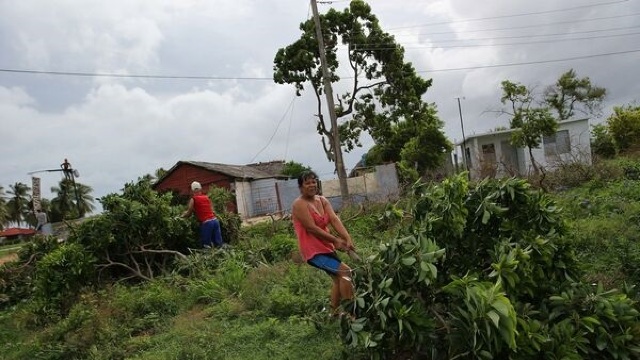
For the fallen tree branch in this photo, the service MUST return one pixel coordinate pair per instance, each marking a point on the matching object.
(172, 252)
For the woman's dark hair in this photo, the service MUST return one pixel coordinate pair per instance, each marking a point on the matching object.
(306, 175)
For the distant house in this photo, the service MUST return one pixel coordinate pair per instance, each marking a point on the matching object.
(492, 155)
(254, 185)
(12, 235)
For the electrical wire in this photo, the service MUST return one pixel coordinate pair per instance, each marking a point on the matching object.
(531, 62)
(521, 36)
(391, 46)
(286, 148)
(524, 26)
(512, 15)
(68, 73)
(290, 107)
(134, 76)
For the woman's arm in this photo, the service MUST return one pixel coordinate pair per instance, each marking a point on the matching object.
(300, 212)
(336, 223)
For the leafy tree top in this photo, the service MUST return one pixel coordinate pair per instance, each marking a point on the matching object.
(384, 90)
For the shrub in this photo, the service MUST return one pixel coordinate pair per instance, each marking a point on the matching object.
(230, 222)
(602, 142)
(136, 236)
(514, 292)
(624, 126)
(62, 273)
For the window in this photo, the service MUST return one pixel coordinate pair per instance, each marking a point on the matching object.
(558, 143)
(489, 153)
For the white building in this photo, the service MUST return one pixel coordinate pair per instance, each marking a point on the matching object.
(492, 155)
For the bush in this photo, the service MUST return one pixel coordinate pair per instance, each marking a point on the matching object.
(624, 127)
(62, 273)
(136, 236)
(230, 222)
(513, 293)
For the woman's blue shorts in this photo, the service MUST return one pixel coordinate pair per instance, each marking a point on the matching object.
(327, 262)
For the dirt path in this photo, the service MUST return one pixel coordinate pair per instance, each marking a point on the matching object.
(7, 258)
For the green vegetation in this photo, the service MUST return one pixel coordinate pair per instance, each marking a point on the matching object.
(386, 93)
(494, 269)
(534, 116)
(9, 249)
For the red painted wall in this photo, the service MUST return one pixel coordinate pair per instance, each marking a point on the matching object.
(181, 178)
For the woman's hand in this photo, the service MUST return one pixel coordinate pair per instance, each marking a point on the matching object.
(341, 244)
(350, 245)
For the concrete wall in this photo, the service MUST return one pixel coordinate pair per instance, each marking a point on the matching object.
(381, 185)
(580, 139)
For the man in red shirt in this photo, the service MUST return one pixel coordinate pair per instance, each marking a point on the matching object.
(210, 234)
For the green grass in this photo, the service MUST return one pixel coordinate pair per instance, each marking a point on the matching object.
(199, 335)
(257, 303)
(10, 249)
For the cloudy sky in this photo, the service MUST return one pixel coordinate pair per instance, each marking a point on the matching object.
(220, 104)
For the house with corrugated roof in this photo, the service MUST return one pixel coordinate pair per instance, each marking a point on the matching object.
(254, 185)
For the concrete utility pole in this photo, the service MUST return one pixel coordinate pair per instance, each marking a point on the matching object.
(464, 141)
(328, 91)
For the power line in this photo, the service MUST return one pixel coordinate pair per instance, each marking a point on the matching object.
(529, 36)
(531, 62)
(513, 15)
(271, 79)
(290, 107)
(135, 76)
(286, 148)
(391, 46)
(524, 26)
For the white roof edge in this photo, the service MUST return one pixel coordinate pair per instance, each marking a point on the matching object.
(500, 132)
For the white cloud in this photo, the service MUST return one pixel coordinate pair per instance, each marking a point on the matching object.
(116, 129)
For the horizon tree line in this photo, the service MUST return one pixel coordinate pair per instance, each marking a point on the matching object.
(16, 203)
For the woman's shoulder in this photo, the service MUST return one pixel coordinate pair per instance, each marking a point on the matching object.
(297, 202)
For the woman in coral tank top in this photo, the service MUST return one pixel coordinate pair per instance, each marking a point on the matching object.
(311, 215)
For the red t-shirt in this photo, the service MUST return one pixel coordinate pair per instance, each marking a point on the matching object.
(202, 208)
(309, 244)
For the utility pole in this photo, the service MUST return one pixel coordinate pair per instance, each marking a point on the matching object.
(70, 175)
(464, 141)
(328, 91)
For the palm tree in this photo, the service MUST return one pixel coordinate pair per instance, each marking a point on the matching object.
(18, 204)
(4, 210)
(65, 205)
(86, 200)
(62, 206)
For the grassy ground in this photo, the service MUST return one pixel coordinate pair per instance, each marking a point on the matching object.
(258, 302)
(9, 252)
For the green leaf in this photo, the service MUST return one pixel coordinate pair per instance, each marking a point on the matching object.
(485, 217)
(408, 261)
(494, 317)
(503, 306)
(485, 354)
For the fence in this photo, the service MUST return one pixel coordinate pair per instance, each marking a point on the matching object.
(378, 184)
